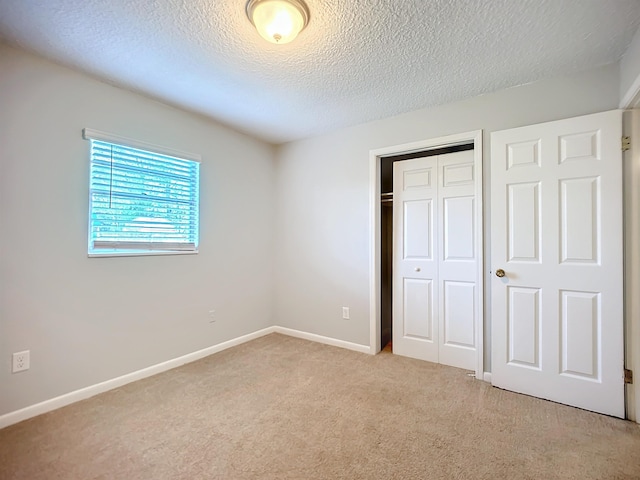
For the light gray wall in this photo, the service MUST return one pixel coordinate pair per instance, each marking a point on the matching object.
(87, 320)
(322, 200)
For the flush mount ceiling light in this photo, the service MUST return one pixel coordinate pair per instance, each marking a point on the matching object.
(278, 21)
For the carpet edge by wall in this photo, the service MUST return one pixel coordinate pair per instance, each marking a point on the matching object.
(92, 390)
(356, 347)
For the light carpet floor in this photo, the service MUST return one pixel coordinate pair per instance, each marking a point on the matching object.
(284, 408)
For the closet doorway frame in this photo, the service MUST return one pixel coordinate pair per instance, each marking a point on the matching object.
(375, 157)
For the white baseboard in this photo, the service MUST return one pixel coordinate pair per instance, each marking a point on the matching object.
(487, 377)
(87, 392)
(320, 339)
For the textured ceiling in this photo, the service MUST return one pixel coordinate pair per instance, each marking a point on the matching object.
(358, 60)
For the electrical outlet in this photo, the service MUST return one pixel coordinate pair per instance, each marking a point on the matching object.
(20, 361)
(345, 313)
(212, 316)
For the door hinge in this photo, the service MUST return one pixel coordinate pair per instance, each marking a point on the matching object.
(626, 143)
(628, 376)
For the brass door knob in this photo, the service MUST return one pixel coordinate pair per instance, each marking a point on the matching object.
(500, 273)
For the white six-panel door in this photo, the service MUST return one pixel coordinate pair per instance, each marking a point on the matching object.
(556, 231)
(435, 261)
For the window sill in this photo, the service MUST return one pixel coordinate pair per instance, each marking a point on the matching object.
(126, 253)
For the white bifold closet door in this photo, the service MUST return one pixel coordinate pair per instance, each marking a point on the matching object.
(435, 265)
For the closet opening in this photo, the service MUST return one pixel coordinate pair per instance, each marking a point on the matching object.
(386, 232)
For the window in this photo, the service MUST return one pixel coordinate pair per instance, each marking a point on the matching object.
(141, 200)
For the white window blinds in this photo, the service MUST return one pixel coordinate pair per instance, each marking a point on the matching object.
(141, 201)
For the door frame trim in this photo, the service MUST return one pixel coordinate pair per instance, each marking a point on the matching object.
(474, 137)
(631, 202)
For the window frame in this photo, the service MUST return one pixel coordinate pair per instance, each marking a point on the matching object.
(91, 134)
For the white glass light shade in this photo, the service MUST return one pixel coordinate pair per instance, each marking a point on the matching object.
(278, 21)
